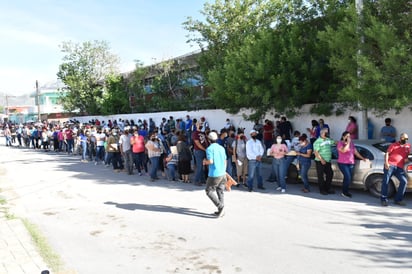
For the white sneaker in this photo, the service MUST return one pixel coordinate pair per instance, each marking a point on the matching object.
(279, 189)
(283, 190)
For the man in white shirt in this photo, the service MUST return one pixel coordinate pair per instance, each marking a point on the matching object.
(254, 153)
(126, 151)
(99, 139)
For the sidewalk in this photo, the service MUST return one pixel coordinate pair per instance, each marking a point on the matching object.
(17, 250)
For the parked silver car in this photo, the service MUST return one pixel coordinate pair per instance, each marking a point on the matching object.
(365, 176)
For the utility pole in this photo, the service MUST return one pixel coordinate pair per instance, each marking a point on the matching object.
(38, 101)
(363, 125)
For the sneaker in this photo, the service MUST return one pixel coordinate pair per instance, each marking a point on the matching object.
(401, 203)
(95, 163)
(330, 191)
(261, 187)
(279, 188)
(384, 203)
(283, 190)
(346, 195)
(305, 190)
(221, 212)
(140, 174)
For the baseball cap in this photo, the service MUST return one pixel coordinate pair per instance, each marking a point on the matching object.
(212, 136)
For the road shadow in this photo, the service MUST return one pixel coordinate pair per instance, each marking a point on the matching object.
(163, 208)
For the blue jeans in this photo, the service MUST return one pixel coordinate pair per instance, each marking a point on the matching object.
(84, 150)
(347, 171)
(304, 168)
(229, 166)
(154, 166)
(99, 153)
(199, 156)
(70, 144)
(278, 167)
(387, 174)
(254, 170)
(171, 171)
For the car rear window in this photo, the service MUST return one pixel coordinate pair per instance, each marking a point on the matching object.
(382, 146)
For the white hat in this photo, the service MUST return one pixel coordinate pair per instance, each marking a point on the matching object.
(212, 136)
(253, 131)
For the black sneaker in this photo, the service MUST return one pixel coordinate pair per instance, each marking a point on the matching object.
(347, 195)
(384, 203)
(220, 212)
(261, 187)
(323, 192)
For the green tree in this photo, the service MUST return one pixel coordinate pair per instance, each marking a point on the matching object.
(265, 54)
(83, 71)
(136, 87)
(115, 96)
(372, 55)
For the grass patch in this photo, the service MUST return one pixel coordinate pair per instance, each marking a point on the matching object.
(49, 256)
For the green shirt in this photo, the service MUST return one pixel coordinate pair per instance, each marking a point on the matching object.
(324, 148)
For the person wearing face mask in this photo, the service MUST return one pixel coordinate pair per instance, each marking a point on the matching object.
(113, 152)
(254, 153)
(278, 151)
(322, 148)
(154, 151)
(138, 148)
(305, 160)
(346, 161)
(239, 157)
(395, 158)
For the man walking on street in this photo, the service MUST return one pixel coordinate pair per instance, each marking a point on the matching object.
(216, 160)
(322, 148)
(395, 158)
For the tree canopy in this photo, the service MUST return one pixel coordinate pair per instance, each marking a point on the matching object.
(284, 54)
(83, 71)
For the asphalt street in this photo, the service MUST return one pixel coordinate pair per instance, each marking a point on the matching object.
(100, 221)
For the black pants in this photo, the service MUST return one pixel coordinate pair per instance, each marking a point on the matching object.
(322, 170)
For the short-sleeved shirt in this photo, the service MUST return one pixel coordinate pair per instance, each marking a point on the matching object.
(304, 150)
(138, 146)
(201, 137)
(216, 153)
(347, 157)
(398, 154)
(324, 148)
(386, 133)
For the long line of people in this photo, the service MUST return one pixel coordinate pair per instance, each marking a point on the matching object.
(173, 146)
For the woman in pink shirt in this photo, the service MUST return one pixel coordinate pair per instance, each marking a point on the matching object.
(278, 151)
(346, 161)
(352, 127)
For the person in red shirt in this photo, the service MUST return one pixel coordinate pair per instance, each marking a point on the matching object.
(138, 149)
(268, 131)
(395, 158)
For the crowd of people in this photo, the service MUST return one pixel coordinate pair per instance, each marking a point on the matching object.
(177, 148)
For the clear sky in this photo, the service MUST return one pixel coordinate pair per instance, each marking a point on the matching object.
(31, 32)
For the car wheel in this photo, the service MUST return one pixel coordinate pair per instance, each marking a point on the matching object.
(293, 175)
(374, 185)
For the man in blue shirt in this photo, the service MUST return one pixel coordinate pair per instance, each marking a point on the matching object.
(388, 132)
(216, 160)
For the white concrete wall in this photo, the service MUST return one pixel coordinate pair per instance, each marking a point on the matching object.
(217, 119)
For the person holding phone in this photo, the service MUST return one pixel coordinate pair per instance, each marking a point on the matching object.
(346, 161)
